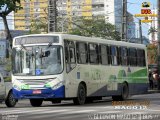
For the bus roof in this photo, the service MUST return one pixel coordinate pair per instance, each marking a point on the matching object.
(89, 39)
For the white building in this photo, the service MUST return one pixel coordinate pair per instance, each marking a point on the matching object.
(131, 26)
(109, 10)
(113, 12)
(153, 37)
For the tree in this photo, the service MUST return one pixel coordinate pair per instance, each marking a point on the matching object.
(96, 28)
(38, 26)
(6, 7)
(152, 31)
(152, 53)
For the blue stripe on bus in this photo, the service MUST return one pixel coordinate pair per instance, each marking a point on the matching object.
(45, 93)
(134, 88)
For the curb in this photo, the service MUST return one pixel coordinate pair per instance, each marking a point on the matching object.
(153, 91)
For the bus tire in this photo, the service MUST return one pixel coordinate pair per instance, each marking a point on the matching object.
(81, 95)
(124, 94)
(10, 100)
(36, 102)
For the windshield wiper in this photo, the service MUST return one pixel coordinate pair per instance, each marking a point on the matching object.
(23, 47)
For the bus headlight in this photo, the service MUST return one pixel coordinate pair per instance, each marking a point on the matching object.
(54, 84)
(16, 87)
(19, 85)
(57, 85)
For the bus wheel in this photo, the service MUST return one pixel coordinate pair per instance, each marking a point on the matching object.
(81, 95)
(124, 95)
(36, 102)
(10, 101)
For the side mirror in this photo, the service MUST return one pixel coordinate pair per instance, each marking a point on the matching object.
(45, 54)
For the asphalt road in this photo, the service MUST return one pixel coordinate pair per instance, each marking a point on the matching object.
(139, 107)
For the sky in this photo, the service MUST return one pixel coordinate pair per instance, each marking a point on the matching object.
(134, 7)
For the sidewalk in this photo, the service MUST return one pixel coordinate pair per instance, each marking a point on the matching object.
(153, 91)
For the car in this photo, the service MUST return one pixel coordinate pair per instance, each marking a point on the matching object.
(6, 93)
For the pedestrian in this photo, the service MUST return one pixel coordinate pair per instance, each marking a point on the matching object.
(155, 78)
(150, 77)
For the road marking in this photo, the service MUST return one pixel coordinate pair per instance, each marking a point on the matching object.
(108, 112)
(22, 111)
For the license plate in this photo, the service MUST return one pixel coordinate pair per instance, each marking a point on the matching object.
(37, 92)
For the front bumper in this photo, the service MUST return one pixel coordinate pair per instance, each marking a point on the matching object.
(45, 93)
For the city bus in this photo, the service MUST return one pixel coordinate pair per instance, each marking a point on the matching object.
(55, 67)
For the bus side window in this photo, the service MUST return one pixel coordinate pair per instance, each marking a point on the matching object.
(93, 53)
(70, 55)
(114, 55)
(133, 56)
(82, 55)
(109, 54)
(104, 54)
(140, 57)
(66, 52)
(124, 56)
(144, 58)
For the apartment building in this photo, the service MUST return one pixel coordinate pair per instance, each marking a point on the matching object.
(110, 10)
(69, 11)
(32, 10)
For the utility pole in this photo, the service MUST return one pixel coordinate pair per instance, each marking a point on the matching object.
(158, 12)
(124, 22)
(52, 15)
(140, 32)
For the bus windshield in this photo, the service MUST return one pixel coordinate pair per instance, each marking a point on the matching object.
(37, 60)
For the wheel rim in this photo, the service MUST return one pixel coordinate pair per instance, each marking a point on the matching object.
(11, 99)
(82, 94)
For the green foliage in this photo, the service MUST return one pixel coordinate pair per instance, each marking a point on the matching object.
(96, 28)
(38, 26)
(152, 30)
(8, 65)
(7, 6)
(152, 53)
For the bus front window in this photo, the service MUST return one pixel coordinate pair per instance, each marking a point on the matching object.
(37, 60)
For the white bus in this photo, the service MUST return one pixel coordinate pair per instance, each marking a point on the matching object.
(56, 67)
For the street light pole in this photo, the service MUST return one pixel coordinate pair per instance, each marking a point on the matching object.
(140, 32)
(52, 15)
(158, 28)
(124, 22)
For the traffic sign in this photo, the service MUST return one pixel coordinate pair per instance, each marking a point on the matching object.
(145, 15)
(146, 11)
(146, 4)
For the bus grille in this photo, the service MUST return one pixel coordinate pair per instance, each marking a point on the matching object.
(36, 83)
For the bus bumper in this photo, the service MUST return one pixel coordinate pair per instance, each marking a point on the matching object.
(44, 93)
